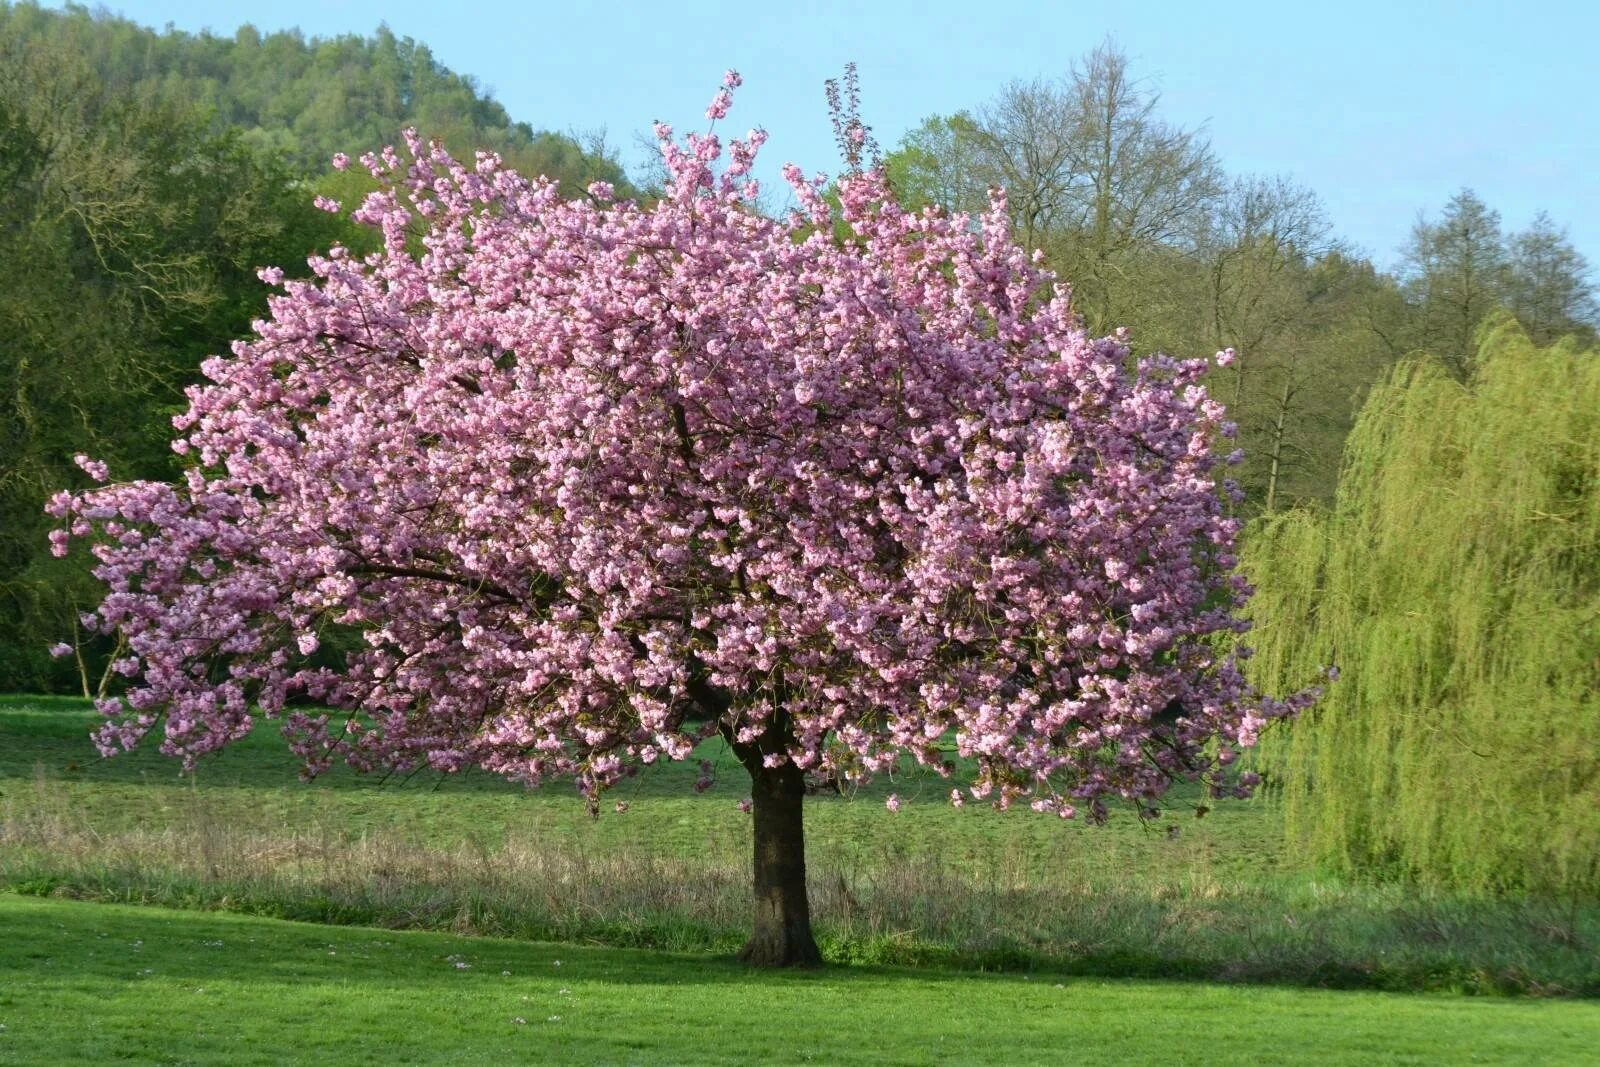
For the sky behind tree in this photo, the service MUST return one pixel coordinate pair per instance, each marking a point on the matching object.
(1385, 109)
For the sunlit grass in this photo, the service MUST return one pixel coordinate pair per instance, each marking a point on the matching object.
(155, 986)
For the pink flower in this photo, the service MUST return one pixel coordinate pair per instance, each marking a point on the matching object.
(94, 468)
(719, 105)
(340, 161)
(589, 481)
(893, 803)
(745, 805)
(60, 648)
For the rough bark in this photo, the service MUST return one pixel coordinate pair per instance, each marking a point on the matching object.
(782, 933)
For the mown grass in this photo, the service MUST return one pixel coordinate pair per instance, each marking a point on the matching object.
(156, 986)
(929, 886)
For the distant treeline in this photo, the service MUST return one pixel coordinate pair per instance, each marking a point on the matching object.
(1154, 235)
(303, 99)
(1422, 471)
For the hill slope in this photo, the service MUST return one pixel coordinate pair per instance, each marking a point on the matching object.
(308, 98)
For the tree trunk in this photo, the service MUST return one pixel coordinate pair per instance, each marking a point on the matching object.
(1277, 436)
(782, 936)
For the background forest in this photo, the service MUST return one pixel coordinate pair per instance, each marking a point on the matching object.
(144, 178)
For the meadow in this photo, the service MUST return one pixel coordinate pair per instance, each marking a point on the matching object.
(930, 887)
(158, 986)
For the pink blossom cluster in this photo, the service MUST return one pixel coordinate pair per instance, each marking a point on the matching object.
(563, 487)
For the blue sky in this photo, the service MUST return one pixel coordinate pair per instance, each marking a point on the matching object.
(1385, 109)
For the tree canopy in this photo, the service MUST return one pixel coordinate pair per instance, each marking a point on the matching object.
(144, 177)
(130, 232)
(589, 482)
(1140, 216)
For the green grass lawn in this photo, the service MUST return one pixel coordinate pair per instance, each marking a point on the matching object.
(929, 886)
(94, 983)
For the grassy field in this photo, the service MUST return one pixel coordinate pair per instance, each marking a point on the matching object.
(145, 985)
(254, 783)
(929, 886)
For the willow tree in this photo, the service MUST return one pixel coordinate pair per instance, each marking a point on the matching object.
(1457, 582)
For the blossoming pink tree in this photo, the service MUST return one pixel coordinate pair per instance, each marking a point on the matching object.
(581, 485)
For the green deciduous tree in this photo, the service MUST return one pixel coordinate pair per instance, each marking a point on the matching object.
(144, 177)
(1456, 582)
(129, 237)
(939, 163)
(308, 98)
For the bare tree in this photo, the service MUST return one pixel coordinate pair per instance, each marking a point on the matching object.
(1548, 283)
(1259, 228)
(1455, 271)
(1283, 293)
(1023, 141)
(1092, 175)
(1259, 240)
(1139, 181)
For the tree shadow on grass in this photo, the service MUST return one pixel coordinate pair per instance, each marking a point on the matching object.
(166, 986)
(122, 942)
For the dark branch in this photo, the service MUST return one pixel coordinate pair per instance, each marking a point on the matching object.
(482, 585)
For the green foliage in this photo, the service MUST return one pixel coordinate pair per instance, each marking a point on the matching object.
(130, 232)
(1298, 319)
(144, 178)
(1548, 283)
(1455, 274)
(1459, 269)
(939, 163)
(1136, 215)
(1456, 582)
(305, 99)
